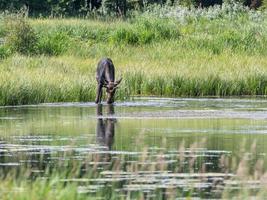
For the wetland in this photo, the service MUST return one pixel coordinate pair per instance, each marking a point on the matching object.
(205, 141)
(150, 148)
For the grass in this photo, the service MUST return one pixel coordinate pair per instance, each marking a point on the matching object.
(212, 52)
(156, 69)
(201, 53)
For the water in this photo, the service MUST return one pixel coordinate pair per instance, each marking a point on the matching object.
(147, 144)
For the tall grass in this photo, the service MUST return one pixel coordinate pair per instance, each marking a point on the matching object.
(68, 78)
(216, 51)
(42, 80)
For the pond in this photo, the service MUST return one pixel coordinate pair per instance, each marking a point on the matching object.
(149, 145)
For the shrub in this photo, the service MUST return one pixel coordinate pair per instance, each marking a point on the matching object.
(20, 36)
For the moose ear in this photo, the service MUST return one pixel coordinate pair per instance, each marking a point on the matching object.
(118, 82)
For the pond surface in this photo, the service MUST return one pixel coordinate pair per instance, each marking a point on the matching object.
(160, 143)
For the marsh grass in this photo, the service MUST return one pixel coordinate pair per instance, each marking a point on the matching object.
(30, 80)
(209, 52)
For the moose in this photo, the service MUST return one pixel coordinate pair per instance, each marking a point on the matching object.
(105, 76)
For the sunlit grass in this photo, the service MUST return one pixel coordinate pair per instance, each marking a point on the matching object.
(156, 69)
(214, 52)
(165, 57)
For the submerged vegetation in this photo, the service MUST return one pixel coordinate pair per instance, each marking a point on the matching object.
(219, 51)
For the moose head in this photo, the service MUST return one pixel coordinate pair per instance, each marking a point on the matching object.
(111, 89)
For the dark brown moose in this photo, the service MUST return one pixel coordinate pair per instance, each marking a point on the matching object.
(105, 76)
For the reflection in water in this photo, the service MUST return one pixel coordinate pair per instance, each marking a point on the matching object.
(155, 155)
(105, 129)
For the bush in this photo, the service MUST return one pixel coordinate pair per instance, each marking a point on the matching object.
(20, 36)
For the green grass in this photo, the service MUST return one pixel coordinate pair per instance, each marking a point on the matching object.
(212, 53)
(158, 69)
(197, 56)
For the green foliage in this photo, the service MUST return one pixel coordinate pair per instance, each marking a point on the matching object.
(4, 52)
(165, 69)
(146, 30)
(264, 4)
(46, 7)
(188, 3)
(182, 53)
(215, 30)
(106, 7)
(53, 43)
(20, 36)
(114, 7)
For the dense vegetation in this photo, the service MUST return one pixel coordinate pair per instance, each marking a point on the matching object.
(168, 51)
(107, 7)
(164, 50)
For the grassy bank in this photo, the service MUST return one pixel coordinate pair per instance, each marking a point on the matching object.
(214, 52)
(150, 70)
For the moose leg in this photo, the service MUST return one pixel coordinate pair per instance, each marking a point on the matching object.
(98, 93)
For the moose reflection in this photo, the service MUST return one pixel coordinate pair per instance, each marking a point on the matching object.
(105, 128)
